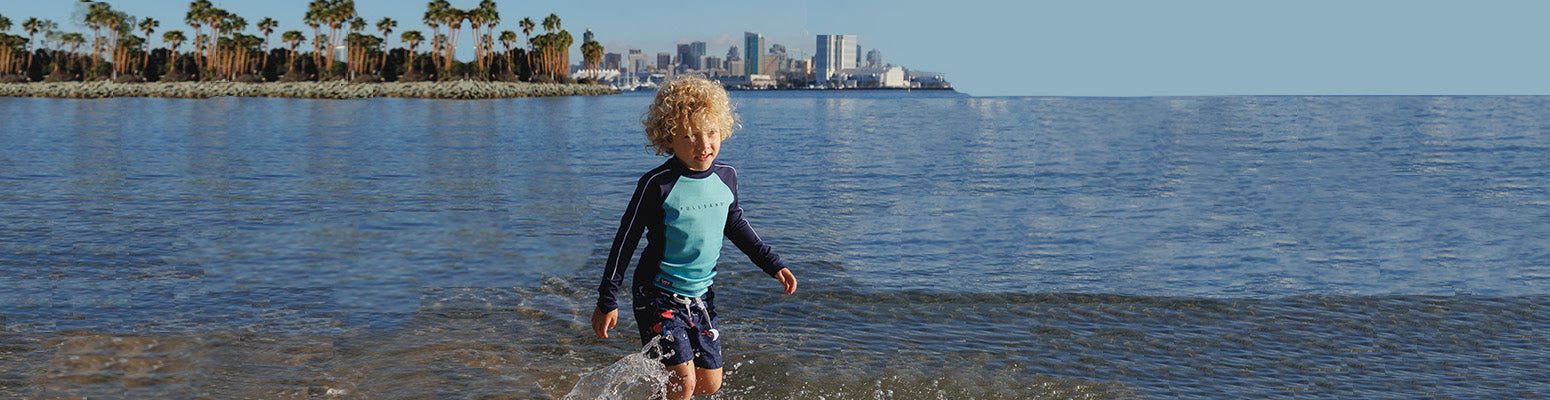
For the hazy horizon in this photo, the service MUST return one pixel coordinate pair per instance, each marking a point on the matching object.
(1044, 48)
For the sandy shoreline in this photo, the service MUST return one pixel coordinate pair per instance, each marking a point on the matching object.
(311, 90)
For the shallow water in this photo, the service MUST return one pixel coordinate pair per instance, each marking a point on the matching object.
(949, 247)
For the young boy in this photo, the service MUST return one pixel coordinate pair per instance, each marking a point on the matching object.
(684, 207)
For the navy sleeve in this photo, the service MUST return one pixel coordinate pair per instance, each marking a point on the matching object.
(743, 235)
(644, 205)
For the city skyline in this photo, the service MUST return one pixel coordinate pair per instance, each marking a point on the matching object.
(1057, 48)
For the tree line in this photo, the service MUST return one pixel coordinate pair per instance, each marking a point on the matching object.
(221, 47)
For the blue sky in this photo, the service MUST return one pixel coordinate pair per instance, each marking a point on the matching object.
(1051, 47)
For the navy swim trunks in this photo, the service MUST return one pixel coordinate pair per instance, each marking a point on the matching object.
(685, 327)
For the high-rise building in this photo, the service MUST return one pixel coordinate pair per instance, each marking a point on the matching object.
(753, 53)
(587, 37)
(692, 56)
(835, 53)
(874, 59)
(683, 56)
(613, 61)
(664, 61)
(637, 61)
(697, 55)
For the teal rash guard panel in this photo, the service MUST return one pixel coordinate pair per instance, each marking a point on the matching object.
(693, 217)
(683, 215)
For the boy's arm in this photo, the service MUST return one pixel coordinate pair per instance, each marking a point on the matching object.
(745, 238)
(631, 225)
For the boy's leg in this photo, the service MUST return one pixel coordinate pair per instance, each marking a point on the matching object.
(681, 381)
(706, 381)
(684, 379)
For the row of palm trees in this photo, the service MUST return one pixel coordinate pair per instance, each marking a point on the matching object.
(222, 49)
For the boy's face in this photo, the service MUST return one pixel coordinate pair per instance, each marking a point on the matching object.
(697, 149)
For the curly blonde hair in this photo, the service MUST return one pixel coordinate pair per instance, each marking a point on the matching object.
(683, 105)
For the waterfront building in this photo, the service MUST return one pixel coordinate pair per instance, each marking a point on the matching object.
(753, 53)
(874, 58)
(804, 66)
(928, 80)
(871, 78)
(746, 81)
(835, 54)
(735, 68)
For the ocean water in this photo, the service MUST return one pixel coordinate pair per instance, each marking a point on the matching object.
(948, 247)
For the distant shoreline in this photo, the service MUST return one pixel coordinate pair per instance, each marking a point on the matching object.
(462, 89)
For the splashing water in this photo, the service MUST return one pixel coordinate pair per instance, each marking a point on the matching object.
(638, 375)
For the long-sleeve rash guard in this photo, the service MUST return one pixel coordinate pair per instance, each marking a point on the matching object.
(684, 214)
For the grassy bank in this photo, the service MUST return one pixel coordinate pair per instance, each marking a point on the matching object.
(309, 90)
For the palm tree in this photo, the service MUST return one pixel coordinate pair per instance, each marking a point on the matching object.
(6, 44)
(386, 25)
(317, 44)
(148, 26)
(314, 18)
(340, 12)
(173, 39)
(484, 16)
(195, 18)
(33, 26)
(294, 38)
(353, 42)
(266, 26)
(215, 18)
(122, 56)
(551, 44)
(591, 54)
(120, 25)
(411, 38)
(75, 40)
(507, 37)
(563, 41)
(453, 18)
(432, 18)
(332, 14)
(234, 25)
(96, 19)
(527, 30)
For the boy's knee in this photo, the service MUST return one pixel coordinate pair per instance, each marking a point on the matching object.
(706, 388)
(707, 382)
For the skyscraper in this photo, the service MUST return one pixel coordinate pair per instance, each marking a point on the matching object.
(697, 55)
(692, 56)
(683, 57)
(613, 61)
(835, 53)
(753, 53)
(874, 58)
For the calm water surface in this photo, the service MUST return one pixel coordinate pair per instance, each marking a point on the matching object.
(949, 247)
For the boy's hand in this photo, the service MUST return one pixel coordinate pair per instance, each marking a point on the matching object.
(787, 279)
(602, 322)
